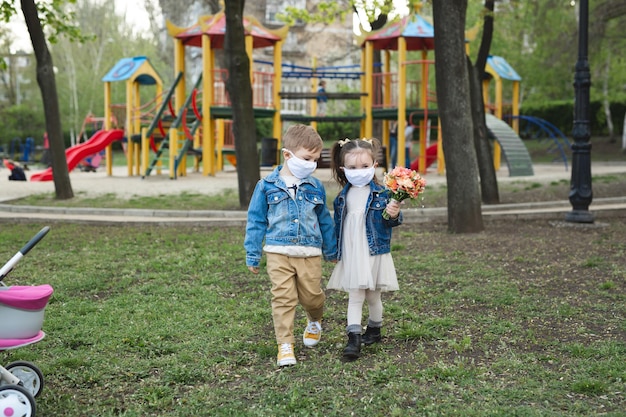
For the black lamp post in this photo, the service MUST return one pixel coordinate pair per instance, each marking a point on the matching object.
(580, 194)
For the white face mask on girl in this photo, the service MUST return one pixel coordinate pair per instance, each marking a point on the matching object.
(360, 177)
(299, 167)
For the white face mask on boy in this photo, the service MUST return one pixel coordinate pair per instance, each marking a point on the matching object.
(300, 168)
(360, 177)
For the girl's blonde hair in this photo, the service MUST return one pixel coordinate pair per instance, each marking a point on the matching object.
(343, 147)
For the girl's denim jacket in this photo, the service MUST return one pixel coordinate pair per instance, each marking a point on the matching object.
(377, 228)
(279, 219)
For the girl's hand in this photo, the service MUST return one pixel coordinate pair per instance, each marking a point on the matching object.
(393, 209)
(253, 269)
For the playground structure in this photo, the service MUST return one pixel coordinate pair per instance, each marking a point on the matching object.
(201, 113)
(393, 95)
(196, 121)
(135, 73)
(408, 97)
(384, 95)
(125, 123)
(536, 128)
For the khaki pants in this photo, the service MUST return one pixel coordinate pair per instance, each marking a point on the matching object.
(294, 280)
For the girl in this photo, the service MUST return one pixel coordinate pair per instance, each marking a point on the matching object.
(365, 267)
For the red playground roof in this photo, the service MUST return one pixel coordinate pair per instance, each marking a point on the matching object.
(419, 34)
(215, 27)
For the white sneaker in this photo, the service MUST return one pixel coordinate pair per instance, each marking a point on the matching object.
(286, 356)
(312, 334)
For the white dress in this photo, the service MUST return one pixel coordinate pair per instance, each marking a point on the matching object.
(357, 270)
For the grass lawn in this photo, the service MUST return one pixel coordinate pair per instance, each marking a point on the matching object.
(525, 319)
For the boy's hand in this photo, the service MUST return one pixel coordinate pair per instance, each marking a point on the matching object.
(393, 209)
(254, 269)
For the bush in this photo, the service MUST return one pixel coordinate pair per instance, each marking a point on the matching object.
(561, 114)
(333, 131)
(21, 122)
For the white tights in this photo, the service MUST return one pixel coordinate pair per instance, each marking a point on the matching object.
(355, 308)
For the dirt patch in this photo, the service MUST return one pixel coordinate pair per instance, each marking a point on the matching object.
(541, 281)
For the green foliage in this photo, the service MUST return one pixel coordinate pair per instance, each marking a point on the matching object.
(540, 40)
(327, 12)
(21, 121)
(60, 19)
(334, 131)
(104, 38)
(264, 128)
(82, 66)
(7, 10)
(54, 15)
(373, 9)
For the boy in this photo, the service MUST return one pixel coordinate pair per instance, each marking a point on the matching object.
(288, 211)
(322, 99)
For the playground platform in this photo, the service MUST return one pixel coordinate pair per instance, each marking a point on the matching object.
(90, 184)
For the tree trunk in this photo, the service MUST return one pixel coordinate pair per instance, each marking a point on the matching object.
(484, 150)
(239, 89)
(453, 97)
(47, 85)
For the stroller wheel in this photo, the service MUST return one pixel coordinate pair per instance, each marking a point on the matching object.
(16, 401)
(29, 375)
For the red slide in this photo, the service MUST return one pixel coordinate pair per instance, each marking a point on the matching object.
(100, 140)
(431, 156)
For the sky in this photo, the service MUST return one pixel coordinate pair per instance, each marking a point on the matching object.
(135, 13)
(133, 10)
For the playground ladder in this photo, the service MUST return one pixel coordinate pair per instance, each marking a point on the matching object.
(157, 117)
(186, 144)
(175, 124)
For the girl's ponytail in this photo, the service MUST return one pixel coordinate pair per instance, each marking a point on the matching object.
(337, 163)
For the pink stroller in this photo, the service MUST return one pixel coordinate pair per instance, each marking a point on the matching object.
(21, 318)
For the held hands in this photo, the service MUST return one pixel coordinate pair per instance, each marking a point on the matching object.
(393, 209)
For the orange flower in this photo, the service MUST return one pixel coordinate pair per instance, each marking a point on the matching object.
(403, 183)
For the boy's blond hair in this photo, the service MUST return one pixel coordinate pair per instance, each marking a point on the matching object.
(302, 136)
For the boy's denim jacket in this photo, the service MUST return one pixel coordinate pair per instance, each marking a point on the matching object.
(275, 216)
(377, 228)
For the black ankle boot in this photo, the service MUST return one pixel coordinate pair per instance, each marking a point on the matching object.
(353, 349)
(371, 335)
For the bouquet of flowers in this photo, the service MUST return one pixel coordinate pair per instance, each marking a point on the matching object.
(403, 183)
